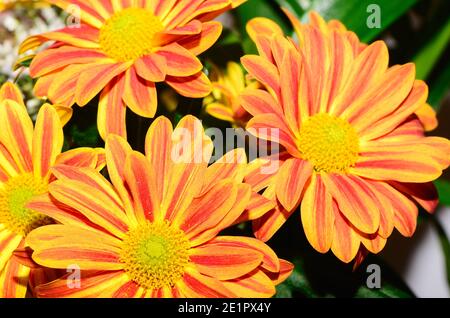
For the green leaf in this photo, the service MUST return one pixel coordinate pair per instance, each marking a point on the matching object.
(439, 87)
(257, 8)
(87, 137)
(443, 188)
(426, 59)
(445, 244)
(354, 14)
(23, 62)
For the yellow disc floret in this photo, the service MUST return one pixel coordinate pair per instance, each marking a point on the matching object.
(329, 143)
(14, 196)
(155, 255)
(129, 34)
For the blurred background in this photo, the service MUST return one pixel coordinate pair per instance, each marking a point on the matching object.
(414, 30)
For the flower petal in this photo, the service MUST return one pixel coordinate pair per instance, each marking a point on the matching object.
(10, 91)
(270, 261)
(257, 101)
(427, 116)
(264, 71)
(79, 157)
(62, 246)
(253, 285)
(196, 285)
(207, 211)
(230, 166)
(271, 127)
(317, 215)
(48, 139)
(152, 67)
(197, 44)
(158, 149)
(409, 166)
(291, 179)
(93, 79)
(265, 227)
(346, 242)
(383, 98)
(224, 262)
(355, 200)
(84, 36)
(195, 86)
(140, 94)
(423, 193)
(92, 203)
(14, 280)
(8, 243)
(111, 109)
(92, 284)
(179, 61)
(284, 272)
(141, 179)
(53, 59)
(368, 68)
(17, 133)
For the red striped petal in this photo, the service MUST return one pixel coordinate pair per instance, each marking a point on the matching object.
(152, 67)
(355, 200)
(195, 86)
(48, 139)
(140, 94)
(292, 177)
(111, 118)
(317, 215)
(179, 61)
(225, 262)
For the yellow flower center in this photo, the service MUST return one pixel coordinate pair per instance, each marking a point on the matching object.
(14, 196)
(329, 143)
(129, 34)
(155, 255)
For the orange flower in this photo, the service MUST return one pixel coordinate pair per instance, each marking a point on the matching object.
(357, 158)
(223, 103)
(121, 49)
(26, 155)
(153, 231)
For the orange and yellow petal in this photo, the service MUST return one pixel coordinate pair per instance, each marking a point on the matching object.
(93, 203)
(139, 94)
(14, 280)
(317, 215)
(111, 118)
(91, 285)
(291, 179)
(55, 247)
(48, 139)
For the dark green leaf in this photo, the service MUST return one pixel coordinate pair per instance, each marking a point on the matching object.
(257, 8)
(354, 14)
(26, 63)
(443, 187)
(428, 56)
(87, 137)
(439, 87)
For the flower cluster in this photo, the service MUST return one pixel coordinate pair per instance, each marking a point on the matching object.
(353, 155)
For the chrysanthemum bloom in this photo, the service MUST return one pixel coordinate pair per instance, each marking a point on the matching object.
(121, 49)
(153, 231)
(358, 160)
(26, 154)
(223, 103)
